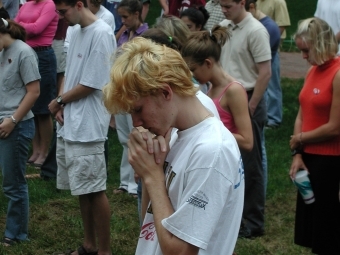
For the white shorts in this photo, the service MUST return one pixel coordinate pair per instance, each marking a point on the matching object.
(81, 167)
(60, 55)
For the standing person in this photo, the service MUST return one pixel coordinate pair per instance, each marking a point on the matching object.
(154, 84)
(202, 54)
(12, 6)
(247, 57)
(195, 18)
(216, 15)
(40, 21)
(131, 13)
(19, 84)
(274, 36)
(277, 11)
(329, 11)
(102, 13)
(84, 122)
(316, 139)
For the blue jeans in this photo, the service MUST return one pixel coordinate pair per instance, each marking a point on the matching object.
(274, 94)
(13, 157)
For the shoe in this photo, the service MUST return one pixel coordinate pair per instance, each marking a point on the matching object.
(244, 232)
(119, 191)
(6, 242)
(255, 234)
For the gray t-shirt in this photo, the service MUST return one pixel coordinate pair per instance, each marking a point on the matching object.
(88, 63)
(18, 67)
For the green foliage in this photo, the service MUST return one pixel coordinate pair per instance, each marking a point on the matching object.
(298, 10)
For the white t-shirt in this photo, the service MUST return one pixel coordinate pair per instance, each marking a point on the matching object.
(329, 11)
(107, 16)
(103, 14)
(88, 63)
(205, 179)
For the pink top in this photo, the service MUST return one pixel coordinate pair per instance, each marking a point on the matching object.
(226, 117)
(40, 21)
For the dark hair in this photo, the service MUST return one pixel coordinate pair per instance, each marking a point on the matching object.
(248, 2)
(70, 2)
(15, 30)
(199, 15)
(132, 6)
(205, 44)
(158, 36)
(96, 3)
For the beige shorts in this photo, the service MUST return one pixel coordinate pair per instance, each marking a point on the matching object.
(60, 55)
(81, 167)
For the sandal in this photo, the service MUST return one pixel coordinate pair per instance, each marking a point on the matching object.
(6, 242)
(119, 191)
(81, 251)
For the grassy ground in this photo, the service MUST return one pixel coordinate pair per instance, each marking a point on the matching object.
(55, 222)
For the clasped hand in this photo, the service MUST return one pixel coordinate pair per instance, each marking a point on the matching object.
(147, 153)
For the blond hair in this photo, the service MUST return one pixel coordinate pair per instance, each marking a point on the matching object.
(175, 27)
(319, 37)
(143, 68)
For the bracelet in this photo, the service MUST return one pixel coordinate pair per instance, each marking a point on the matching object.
(14, 120)
(300, 139)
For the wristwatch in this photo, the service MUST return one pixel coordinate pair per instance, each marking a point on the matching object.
(14, 120)
(296, 151)
(60, 100)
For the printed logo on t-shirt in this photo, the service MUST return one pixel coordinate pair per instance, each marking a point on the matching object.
(241, 173)
(198, 199)
(148, 232)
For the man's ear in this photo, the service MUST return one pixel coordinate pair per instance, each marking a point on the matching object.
(167, 92)
(79, 5)
(208, 62)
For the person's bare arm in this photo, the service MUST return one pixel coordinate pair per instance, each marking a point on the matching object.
(154, 181)
(265, 72)
(32, 93)
(327, 131)
(237, 103)
(145, 10)
(165, 7)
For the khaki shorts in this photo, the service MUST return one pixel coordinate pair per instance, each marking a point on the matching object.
(60, 55)
(81, 167)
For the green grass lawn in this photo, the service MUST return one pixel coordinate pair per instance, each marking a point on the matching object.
(55, 222)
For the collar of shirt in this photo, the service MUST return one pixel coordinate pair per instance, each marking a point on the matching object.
(242, 23)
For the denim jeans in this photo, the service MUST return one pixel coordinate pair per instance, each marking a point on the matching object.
(274, 94)
(13, 157)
